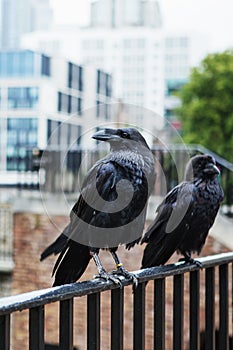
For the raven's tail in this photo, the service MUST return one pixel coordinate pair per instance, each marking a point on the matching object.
(157, 252)
(55, 248)
(71, 263)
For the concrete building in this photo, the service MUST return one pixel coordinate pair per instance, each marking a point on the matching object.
(128, 42)
(182, 51)
(19, 17)
(121, 13)
(35, 101)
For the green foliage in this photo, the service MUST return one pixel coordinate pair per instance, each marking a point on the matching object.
(207, 104)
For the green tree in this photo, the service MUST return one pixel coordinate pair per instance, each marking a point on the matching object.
(206, 111)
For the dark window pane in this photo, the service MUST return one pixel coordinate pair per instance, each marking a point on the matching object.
(45, 65)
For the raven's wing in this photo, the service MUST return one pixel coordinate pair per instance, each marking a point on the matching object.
(74, 257)
(166, 232)
(101, 176)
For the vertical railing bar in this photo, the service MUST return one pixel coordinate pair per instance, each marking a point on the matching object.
(159, 314)
(93, 321)
(223, 307)
(194, 310)
(139, 318)
(66, 324)
(178, 312)
(117, 319)
(210, 308)
(5, 332)
(231, 339)
(36, 328)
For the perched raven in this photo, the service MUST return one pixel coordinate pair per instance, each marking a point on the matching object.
(111, 208)
(185, 215)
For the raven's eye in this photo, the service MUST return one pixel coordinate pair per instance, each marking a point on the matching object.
(124, 135)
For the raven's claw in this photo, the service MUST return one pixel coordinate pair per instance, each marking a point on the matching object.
(123, 272)
(108, 277)
(190, 260)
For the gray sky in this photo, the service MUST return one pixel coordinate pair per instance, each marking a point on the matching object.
(211, 18)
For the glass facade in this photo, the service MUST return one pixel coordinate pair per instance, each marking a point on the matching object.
(75, 76)
(16, 64)
(45, 65)
(21, 134)
(63, 134)
(23, 97)
(69, 104)
(104, 83)
(23, 64)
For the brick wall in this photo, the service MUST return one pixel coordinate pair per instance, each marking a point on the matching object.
(32, 233)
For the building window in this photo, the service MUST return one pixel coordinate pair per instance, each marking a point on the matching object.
(101, 82)
(69, 104)
(21, 135)
(75, 76)
(6, 239)
(23, 97)
(69, 107)
(63, 102)
(16, 64)
(45, 65)
(79, 105)
(98, 108)
(59, 102)
(108, 85)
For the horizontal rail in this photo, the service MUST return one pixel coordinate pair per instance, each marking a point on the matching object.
(194, 148)
(45, 296)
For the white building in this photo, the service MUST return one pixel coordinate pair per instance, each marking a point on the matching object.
(182, 51)
(22, 16)
(128, 43)
(121, 13)
(47, 101)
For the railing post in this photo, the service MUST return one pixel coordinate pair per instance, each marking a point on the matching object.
(139, 317)
(93, 321)
(66, 324)
(178, 312)
(209, 309)
(159, 314)
(36, 328)
(5, 332)
(194, 310)
(223, 308)
(117, 319)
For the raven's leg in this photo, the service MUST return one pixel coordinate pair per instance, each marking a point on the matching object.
(121, 270)
(188, 259)
(102, 272)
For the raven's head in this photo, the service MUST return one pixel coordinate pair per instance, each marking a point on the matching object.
(201, 166)
(121, 138)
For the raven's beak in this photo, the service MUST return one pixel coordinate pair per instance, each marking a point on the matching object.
(212, 169)
(106, 135)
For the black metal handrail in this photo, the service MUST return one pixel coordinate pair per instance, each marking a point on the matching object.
(36, 301)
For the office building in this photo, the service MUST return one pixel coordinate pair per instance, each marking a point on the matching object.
(121, 13)
(127, 42)
(181, 53)
(20, 17)
(47, 101)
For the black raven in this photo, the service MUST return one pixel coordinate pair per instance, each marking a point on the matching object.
(185, 215)
(110, 210)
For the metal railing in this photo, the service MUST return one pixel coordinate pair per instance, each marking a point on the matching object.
(217, 314)
(64, 171)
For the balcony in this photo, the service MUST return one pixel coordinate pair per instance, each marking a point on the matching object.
(199, 316)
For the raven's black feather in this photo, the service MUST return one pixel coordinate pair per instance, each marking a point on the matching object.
(185, 215)
(129, 159)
